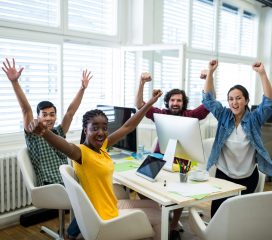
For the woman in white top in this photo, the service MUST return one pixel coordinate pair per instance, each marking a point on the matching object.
(238, 148)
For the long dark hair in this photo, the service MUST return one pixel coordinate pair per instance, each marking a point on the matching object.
(175, 91)
(244, 93)
(86, 119)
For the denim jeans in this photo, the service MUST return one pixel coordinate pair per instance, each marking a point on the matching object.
(73, 229)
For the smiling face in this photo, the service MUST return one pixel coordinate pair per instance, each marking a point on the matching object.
(96, 132)
(49, 116)
(237, 102)
(175, 104)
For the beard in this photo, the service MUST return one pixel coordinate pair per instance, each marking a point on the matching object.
(175, 111)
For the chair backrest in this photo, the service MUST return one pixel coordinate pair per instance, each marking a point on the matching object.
(261, 182)
(207, 146)
(87, 218)
(154, 144)
(242, 217)
(26, 167)
(52, 196)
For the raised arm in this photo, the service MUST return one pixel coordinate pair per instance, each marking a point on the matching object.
(267, 89)
(133, 122)
(68, 117)
(71, 150)
(139, 101)
(203, 75)
(13, 75)
(208, 85)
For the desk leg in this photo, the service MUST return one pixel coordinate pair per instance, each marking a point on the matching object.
(164, 223)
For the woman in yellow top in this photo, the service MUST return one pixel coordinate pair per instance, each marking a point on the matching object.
(94, 166)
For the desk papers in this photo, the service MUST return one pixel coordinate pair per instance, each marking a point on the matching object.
(191, 189)
(125, 166)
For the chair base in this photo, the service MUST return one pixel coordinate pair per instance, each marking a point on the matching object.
(60, 234)
(50, 233)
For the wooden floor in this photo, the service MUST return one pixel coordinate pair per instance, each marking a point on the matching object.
(19, 232)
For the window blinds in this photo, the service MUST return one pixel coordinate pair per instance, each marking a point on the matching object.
(96, 16)
(99, 60)
(175, 21)
(39, 79)
(37, 12)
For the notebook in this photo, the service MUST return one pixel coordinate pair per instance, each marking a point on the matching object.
(150, 168)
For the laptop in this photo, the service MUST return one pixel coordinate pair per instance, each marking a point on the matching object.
(150, 168)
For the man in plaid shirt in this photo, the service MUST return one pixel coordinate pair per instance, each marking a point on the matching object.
(45, 159)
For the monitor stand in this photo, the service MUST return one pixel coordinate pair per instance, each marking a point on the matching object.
(169, 154)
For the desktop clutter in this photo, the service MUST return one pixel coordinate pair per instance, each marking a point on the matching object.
(144, 160)
(189, 171)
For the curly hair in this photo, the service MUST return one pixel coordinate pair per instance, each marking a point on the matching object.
(87, 118)
(175, 91)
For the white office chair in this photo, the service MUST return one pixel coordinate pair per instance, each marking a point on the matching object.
(51, 196)
(130, 224)
(244, 217)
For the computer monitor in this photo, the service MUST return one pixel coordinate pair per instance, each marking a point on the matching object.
(117, 117)
(179, 137)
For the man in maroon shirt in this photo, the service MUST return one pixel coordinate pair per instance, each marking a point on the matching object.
(176, 103)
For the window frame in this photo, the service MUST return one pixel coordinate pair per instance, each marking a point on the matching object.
(58, 35)
(153, 47)
(204, 54)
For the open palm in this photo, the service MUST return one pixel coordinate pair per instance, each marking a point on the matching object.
(11, 71)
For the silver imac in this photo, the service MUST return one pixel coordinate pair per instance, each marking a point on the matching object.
(179, 137)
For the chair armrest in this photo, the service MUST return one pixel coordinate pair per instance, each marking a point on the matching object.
(52, 196)
(196, 223)
(130, 224)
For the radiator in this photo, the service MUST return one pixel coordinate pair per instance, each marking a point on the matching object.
(13, 193)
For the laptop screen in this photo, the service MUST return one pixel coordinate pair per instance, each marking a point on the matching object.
(150, 167)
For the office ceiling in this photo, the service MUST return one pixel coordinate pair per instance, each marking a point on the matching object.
(266, 3)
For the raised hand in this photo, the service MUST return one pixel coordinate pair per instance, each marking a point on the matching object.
(203, 74)
(212, 65)
(146, 77)
(37, 127)
(11, 71)
(156, 93)
(86, 77)
(258, 67)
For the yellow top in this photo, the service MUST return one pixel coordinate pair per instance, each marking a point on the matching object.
(95, 176)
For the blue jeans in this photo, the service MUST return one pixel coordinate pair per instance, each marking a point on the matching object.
(73, 229)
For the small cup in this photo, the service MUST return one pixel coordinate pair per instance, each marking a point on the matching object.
(140, 152)
(183, 177)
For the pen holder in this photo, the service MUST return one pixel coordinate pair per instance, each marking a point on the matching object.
(183, 177)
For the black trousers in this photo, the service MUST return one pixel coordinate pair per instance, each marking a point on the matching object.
(250, 182)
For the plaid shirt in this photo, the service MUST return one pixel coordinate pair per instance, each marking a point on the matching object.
(45, 159)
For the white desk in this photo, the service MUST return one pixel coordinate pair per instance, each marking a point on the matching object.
(169, 201)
